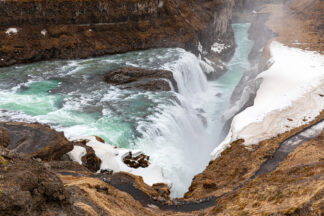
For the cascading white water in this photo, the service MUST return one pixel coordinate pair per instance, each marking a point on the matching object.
(188, 74)
(177, 130)
(177, 138)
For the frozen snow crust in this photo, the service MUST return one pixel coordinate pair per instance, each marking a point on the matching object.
(112, 159)
(291, 94)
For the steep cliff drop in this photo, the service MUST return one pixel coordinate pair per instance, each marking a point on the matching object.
(266, 165)
(287, 66)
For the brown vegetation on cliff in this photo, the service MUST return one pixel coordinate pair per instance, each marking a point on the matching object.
(298, 23)
(237, 164)
(84, 28)
(296, 187)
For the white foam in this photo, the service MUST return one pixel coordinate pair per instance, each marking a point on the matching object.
(290, 89)
(188, 74)
(207, 66)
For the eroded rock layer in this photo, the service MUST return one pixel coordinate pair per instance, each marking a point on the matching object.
(33, 30)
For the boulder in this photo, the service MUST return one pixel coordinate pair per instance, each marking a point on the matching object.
(35, 140)
(136, 161)
(140, 78)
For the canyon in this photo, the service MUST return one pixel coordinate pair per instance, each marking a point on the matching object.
(280, 172)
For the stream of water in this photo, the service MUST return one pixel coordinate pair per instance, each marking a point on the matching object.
(177, 130)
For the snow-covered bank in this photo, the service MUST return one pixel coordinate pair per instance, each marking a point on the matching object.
(112, 159)
(291, 94)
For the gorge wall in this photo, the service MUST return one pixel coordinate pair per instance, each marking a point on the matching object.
(33, 30)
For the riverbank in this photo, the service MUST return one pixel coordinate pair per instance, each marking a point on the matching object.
(33, 31)
(239, 157)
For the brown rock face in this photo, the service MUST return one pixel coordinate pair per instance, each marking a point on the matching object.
(28, 187)
(296, 187)
(36, 140)
(4, 138)
(298, 23)
(237, 164)
(163, 190)
(133, 77)
(90, 159)
(84, 28)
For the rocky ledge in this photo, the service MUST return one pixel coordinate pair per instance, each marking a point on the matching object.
(33, 30)
(31, 186)
(139, 78)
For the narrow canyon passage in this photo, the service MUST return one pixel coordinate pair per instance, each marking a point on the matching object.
(177, 130)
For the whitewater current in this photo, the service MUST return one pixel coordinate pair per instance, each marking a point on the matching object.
(177, 130)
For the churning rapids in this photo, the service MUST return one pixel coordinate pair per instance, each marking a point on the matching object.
(177, 130)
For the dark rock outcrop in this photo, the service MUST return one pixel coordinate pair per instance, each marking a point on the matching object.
(133, 77)
(84, 28)
(36, 140)
(137, 161)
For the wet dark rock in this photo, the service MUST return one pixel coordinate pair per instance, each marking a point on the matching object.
(137, 161)
(100, 139)
(36, 140)
(107, 171)
(145, 79)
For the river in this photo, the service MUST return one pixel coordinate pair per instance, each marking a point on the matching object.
(177, 130)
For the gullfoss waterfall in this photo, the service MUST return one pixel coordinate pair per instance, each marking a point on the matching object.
(177, 130)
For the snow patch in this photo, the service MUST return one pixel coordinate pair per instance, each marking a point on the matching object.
(77, 153)
(112, 158)
(218, 47)
(44, 32)
(12, 31)
(290, 95)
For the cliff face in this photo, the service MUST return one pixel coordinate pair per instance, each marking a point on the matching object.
(33, 30)
(295, 24)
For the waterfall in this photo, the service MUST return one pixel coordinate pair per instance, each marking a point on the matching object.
(188, 74)
(178, 130)
(176, 138)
